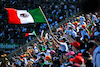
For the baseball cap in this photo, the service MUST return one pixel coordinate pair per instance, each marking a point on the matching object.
(77, 59)
(83, 26)
(24, 55)
(52, 52)
(47, 58)
(66, 23)
(70, 53)
(21, 59)
(76, 44)
(75, 23)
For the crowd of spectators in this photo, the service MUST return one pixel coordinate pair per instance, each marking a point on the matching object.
(55, 13)
(75, 44)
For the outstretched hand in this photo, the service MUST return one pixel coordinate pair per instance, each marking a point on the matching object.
(52, 34)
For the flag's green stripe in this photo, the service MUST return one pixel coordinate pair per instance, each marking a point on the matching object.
(37, 15)
(34, 33)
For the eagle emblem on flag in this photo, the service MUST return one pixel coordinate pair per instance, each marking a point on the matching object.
(24, 15)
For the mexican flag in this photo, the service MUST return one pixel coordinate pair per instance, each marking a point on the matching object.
(33, 33)
(25, 16)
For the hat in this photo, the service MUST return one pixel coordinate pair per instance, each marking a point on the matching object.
(21, 59)
(76, 65)
(76, 44)
(77, 59)
(75, 23)
(69, 24)
(83, 26)
(52, 52)
(79, 54)
(47, 58)
(24, 55)
(70, 53)
(66, 23)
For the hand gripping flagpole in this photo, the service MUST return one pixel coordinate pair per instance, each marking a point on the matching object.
(46, 19)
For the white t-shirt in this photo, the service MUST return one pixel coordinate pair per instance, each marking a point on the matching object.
(63, 46)
(83, 33)
(97, 57)
(36, 49)
(96, 33)
(94, 17)
(48, 53)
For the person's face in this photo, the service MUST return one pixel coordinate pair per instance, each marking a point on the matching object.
(48, 59)
(73, 48)
(90, 51)
(67, 57)
(40, 61)
(99, 26)
(35, 44)
(61, 40)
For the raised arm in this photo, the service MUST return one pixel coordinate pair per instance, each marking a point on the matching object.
(71, 40)
(55, 38)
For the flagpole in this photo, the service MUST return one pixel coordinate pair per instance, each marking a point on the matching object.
(46, 19)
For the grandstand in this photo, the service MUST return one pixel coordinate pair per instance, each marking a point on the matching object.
(75, 35)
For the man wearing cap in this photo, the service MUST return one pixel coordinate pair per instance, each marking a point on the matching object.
(82, 19)
(62, 44)
(94, 50)
(83, 33)
(75, 44)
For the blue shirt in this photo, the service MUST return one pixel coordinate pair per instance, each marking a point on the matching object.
(83, 33)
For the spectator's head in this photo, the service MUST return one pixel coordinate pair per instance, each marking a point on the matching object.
(75, 23)
(87, 57)
(86, 38)
(4, 55)
(75, 45)
(76, 65)
(69, 55)
(62, 39)
(42, 55)
(34, 57)
(41, 60)
(48, 58)
(35, 44)
(91, 47)
(78, 59)
(52, 52)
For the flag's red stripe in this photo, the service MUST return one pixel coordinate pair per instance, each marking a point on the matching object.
(12, 14)
(26, 34)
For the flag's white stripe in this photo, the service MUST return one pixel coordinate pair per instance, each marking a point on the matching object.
(42, 33)
(27, 19)
(31, 34)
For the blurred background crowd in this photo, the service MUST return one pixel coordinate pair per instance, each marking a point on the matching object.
(75, 43)
(54, 11)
